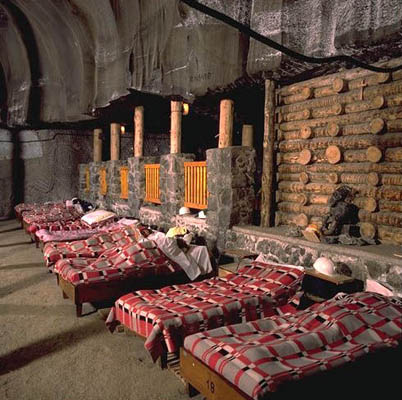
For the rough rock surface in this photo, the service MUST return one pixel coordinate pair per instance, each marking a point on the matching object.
(164, 47)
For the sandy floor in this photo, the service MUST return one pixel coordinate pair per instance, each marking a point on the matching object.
(48, 353)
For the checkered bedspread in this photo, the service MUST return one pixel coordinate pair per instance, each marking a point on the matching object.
(36, 208)
(258, 356)
(134, 260)
(55, 219)
(166, 316)
(90, 248)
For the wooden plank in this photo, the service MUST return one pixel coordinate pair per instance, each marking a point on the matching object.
(207, 382)
(97, 145)
(226, 123)
(138, 131)
(337, 279)
(114, 141)
(268, 173)
(176, 108)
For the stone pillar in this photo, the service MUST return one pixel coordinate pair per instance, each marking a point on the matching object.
(175, 126)
(136, 182)
(82, 184)
(97, 145)
(114, 141)
(247, 135)
(113, 181)
(138, 131)
(226, 123)
(172, 184)
(94, 182)
(230, 175)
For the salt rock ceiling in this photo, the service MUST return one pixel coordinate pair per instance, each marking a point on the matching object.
(60, 60)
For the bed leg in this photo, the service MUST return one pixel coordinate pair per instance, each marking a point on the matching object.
(163, 360)
(78, 308)
(191, 390)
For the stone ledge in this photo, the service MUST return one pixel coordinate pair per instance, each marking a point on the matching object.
(374, 252)
(190, 220)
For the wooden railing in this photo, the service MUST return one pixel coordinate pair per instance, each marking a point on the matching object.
(195, 185)
(102, 181)
(124, 183)
(152, 183)
(87, 180)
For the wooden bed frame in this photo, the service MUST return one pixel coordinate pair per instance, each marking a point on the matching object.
(112, 290)
(202, 379)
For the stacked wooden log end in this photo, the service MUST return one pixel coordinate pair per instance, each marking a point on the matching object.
(342, 129)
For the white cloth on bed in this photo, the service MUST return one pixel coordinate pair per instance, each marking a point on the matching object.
(194, 263)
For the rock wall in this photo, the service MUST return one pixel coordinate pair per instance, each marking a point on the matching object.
(39, 166)
(290, 250)
(230, 175)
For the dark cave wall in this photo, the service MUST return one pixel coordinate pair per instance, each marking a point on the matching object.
(39, 166)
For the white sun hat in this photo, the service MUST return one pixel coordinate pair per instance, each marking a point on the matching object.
(325, 266)
(184, 211)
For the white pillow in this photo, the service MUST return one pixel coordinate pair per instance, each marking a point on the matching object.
(94, 217)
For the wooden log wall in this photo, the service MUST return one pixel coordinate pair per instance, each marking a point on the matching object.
(341, 129)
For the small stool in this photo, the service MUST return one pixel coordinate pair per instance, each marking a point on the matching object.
(239, 255)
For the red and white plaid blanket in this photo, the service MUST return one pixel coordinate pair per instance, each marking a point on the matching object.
(166, 316)
(36, 208)
(258, 356)
(92, 247)
(42, 221)
(134, 260)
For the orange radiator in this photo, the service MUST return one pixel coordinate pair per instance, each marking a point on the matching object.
(124, 183)
(87, 181)
(102, 181)
(152, 183)
(195, 185)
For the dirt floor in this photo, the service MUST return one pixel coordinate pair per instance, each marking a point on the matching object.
(46, 352)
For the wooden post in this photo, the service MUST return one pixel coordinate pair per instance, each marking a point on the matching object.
(114, 141)
(175, 126)
(97, 145)
(247, 135)
(138, 131)
(226, 124)
(267, 209)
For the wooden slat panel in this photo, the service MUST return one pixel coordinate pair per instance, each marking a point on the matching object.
(195, 181)
(102, 181)
(124, 182)
(152, 193)
(87, 180)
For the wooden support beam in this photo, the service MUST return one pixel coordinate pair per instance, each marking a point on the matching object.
(247, 135)
(226, 123)
(176, 112)
(138, 131)
(97, 145)
(268, 173)
(114, 141)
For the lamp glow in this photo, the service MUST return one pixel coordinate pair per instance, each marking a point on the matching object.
(123, 129)
(186, 108)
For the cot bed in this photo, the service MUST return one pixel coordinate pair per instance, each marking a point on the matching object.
(44, 236)
(36, 208)
(166, 316)
(92, 247)
(70, 220)
(118, 271)
(253, 360)
(53, 220)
